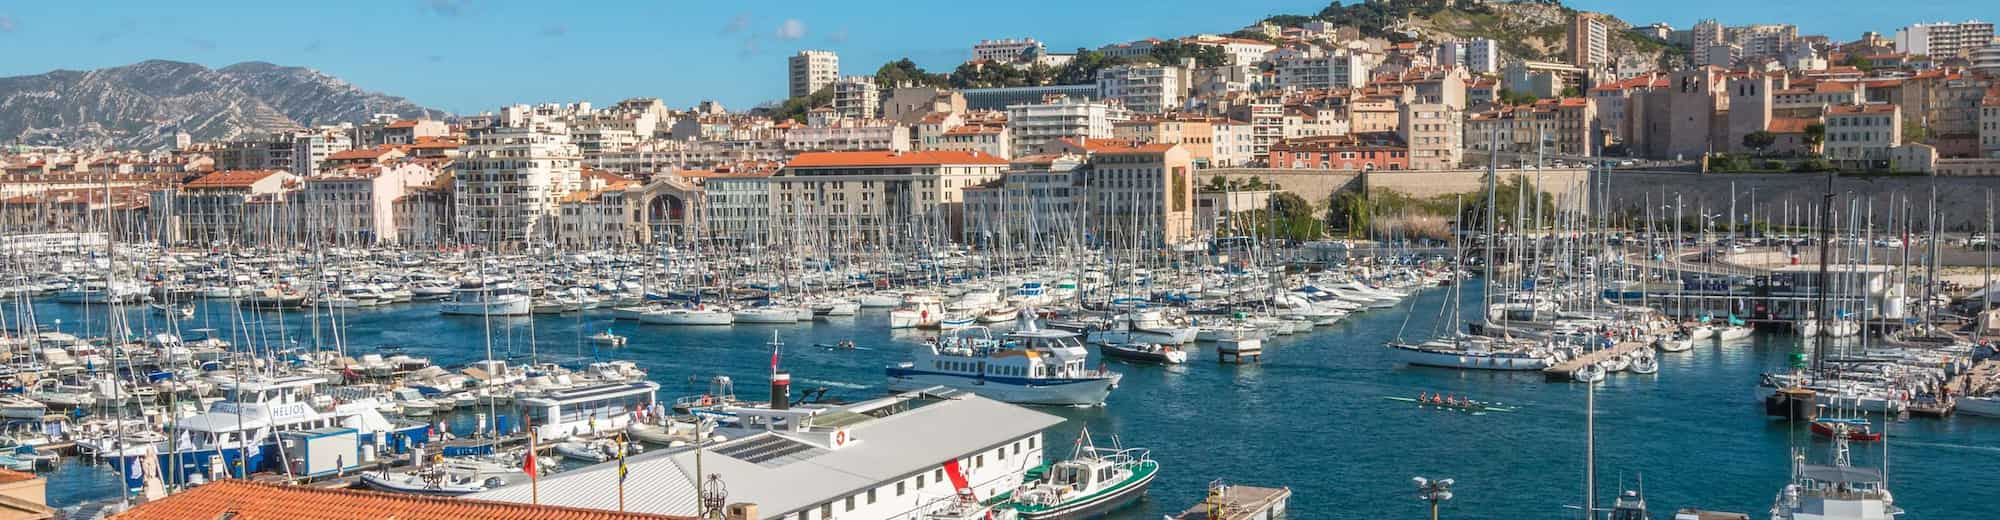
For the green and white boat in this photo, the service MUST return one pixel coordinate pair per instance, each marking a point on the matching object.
(1093, 482)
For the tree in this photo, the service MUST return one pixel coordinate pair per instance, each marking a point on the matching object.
(1915, 133)
(795, 108)
(1759, 140)
(1571, 91)
(900, 72)
(1083, 68)
(1815, 134)
(1172, 51)
(1510, 97)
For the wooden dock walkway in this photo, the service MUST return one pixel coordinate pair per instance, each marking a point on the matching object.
(1234, 502)
(1566, 370)
(1983, 378)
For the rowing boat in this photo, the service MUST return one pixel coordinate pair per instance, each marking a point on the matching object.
(1470, 406)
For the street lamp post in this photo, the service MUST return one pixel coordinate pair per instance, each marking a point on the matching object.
(1434, 491)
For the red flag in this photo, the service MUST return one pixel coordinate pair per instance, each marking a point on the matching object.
(529, 465)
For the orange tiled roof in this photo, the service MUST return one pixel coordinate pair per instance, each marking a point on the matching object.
(890, 158)
(254, 501)
(231, 179)
(403, 123)
(1791, 125)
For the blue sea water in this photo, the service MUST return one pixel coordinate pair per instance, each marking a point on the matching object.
(1310, 416)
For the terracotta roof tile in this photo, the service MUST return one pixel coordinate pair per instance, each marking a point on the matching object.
(231, 179)
(256, 501)
(1791, 125)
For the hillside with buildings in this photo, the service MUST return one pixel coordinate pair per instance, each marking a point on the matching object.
(144, 104)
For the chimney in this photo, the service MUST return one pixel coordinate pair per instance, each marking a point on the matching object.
(740, 511)
(781, 390)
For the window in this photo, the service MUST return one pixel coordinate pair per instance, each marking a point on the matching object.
(871, 496)
(920, 481)
(826, 510)
(850, 504)
(899, 486)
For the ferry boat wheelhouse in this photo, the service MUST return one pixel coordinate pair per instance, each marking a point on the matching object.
(603, 407)
(239, 435)
(1029, 366)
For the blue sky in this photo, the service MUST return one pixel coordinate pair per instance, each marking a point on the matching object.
(466, 56)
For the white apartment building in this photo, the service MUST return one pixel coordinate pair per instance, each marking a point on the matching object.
(311, 147)
(988, 139)
(1337, 69)
(1944, 40)
(1241, 51)
(739, 206)
(1589, 41)
(1007, 50)
(1859, 137)
(1477, 55)
(1034, 125)
(509, 180)
(1148, 88)
(848, 135)
(1233, 144)
(810, 69)
(857, 97)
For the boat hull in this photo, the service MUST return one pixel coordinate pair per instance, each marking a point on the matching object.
(1058, 392)
(1467, 360)
(1097, 506)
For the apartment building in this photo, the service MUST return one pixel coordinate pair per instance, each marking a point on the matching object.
(738, 205)
(1860, 137)
(216, 208)
(1589, 41)
(1036, 124)
(1007, 50)
(1989, 125)
(1195, 134)
(1478, 55)
(1266, 123)
(1036, 200)
(1356, 151)
(356, 204)
(989, 139)
(873, 197)
(1434, 133)
(1136, 194)
(1145, 88)
(1943, 39)
(1543, 79)
(811, 70)
(1682, 120)
(848, 135)
(857, 97)
(509, 180)
(1322, 70)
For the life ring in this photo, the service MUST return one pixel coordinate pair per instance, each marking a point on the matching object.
(705, 400)
(840, 438)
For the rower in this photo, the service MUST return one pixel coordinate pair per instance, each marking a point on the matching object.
(1423, 396)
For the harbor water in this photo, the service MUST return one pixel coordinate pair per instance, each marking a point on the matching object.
(1311, 416)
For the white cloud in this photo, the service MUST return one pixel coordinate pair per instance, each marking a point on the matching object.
(792, 29)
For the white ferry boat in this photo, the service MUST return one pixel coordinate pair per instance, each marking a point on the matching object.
(1029, 366)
